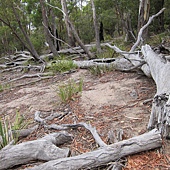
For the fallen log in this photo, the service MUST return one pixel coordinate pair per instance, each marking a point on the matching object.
(104, 155)
(160, 69)
(42, 149)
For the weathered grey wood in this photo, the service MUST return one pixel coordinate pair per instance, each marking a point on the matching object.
(106, 154)
(70, 126)
(24, 132)
(41, 149)
(160, 114)
(31, 76)
(143, 28)
(71, 51)
(73, 126)
(91, 63)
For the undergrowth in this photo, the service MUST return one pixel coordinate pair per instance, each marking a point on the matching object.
(70, 90)
(4, 87)
(8, 131)
(100, 70)
(62, 66)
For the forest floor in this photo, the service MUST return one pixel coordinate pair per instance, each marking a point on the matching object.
(109, 102)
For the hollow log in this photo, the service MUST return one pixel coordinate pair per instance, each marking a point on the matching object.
(106, 154)
(42, 149)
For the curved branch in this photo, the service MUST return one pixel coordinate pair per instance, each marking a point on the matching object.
(143, 28)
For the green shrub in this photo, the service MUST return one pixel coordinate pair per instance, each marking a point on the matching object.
(8, 131)
(70, 90)
(19, 122)
(99, 70)
(62, 66)
(6, 136)
(107, 53)
(1, 88)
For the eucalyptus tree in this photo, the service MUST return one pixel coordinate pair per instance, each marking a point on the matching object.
(80, 13)
(73, 30)
(144, 9)
(71, 40)
(13, 15)
(96, 27)
(119, 17)
(46, 28)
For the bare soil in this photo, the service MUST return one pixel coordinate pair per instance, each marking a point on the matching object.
(110, 102)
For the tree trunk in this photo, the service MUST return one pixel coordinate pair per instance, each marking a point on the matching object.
(96, 28)
(71, 40)
(130, 36)
(143, 16)
(31, 47)
(76, 36)
(101, 36)
(89, 54)
(53, 27)
(46, 30)
(41, 149)
(104, 155)
(160, 69)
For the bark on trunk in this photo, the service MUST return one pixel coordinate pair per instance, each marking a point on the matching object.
(143, 16)
(46, 30)
(42, 149)
(160, 69)
(76, 36)
(66, 19)
(31, 47)
(96, 28)
(107, 154)
(89, 54)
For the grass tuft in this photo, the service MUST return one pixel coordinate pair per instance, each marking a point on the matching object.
(8, 131)
(100, 70)
(70, 90)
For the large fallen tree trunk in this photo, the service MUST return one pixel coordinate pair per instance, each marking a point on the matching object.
(42, 149)
(160, 71)
(106, 154)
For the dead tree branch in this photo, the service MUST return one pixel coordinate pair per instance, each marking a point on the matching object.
(42, 149)
(106, 154)
(143, 28)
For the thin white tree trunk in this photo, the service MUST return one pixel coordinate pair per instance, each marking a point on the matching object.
(66, 19)
(96, 28)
